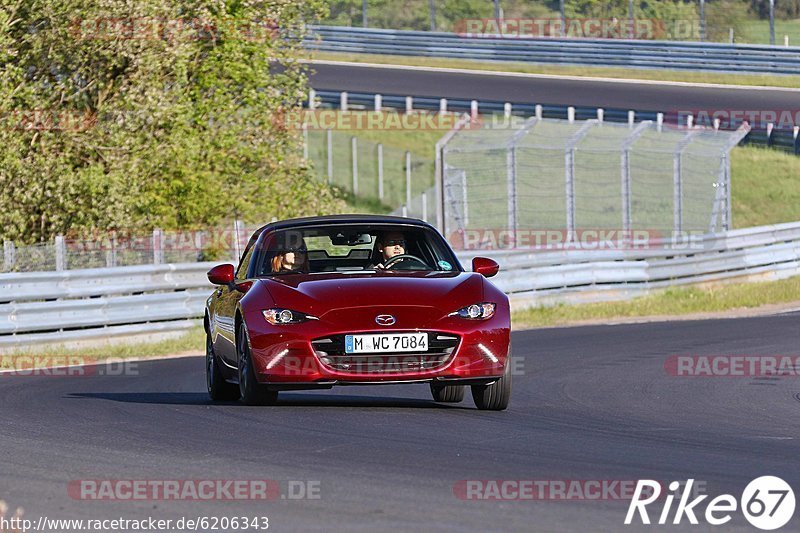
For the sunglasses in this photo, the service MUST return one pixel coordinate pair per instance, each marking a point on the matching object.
(396, 242)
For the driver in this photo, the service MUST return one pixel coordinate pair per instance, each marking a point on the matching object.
(391, 244)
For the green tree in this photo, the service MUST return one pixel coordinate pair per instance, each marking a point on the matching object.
(158, 113)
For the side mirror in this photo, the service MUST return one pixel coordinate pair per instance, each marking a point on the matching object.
(485, 266)
(221, 275)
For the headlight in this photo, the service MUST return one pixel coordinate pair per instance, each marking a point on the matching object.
(480, 311)
(278, 317)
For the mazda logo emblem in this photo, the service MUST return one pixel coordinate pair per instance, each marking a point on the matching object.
(385, 320)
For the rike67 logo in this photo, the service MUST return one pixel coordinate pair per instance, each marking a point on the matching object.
(767, 503)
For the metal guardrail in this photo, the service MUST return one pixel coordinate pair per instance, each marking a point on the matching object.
(58, 307)
(782, 138)
(741, 58)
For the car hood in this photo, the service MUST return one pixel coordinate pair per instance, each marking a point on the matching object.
(318, 294)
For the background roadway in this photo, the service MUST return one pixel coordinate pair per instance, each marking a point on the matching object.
(650, 96)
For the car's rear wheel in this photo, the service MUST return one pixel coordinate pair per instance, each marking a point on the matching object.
(494, 397)
(447, 393)
(218, 388)
(251, 391)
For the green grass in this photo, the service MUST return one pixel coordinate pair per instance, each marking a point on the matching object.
(757, 32)
(193, 340)
(766, 186)
(670, 302)
(565, 70)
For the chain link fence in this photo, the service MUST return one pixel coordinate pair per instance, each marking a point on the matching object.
(393, 179)
(576, 176)
(700, 20)
(118, 249)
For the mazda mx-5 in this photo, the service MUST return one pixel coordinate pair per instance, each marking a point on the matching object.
(352, 300)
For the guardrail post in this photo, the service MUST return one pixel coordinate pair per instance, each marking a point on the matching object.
(9, 255)
(408, 178)
(329, 139)
(409, 104)
(443, 105)
(770, 129)
(600, 114)
(343, 101)
(631, 118)
(569, 167)
(61, 253)
(507, 110)
(538, 111)
(158, 246)
(424, 206)
(659, 121)
(312, 99)
(378, 102)
(571, 114)
(473, 109)
(354, 150)
(380, 171)
(795, 131)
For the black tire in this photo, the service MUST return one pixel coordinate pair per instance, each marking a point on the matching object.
(494, 397)
(219, 390)
(251, 391)
(447, 393)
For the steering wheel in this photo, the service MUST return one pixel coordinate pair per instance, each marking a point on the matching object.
(396, 259)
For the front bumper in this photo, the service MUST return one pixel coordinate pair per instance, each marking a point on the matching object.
(284, 356)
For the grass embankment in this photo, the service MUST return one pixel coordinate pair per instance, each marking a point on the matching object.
(191, 341)
(670, 302)
(688, 76)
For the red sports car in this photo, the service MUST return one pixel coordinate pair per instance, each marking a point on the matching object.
(355, 300)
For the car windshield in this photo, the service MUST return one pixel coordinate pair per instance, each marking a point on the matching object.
(353, 248)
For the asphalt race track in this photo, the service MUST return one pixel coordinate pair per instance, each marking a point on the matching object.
(555, 91)
(589, 403)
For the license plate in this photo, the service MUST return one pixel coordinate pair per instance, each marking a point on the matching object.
(386, 343)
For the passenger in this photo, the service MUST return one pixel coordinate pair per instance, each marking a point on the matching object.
(291, 258)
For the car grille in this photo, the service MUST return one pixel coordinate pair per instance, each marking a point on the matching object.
(330, 351)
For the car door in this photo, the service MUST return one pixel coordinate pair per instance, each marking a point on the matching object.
(227, 299)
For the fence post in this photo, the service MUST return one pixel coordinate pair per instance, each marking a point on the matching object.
(424, 206)
(511, 187)
(158, 246)
(354, 149)
(305, 141)
(61, 253)
(405, 211)
(329, 139)
(380, 171)
(111, 253)
(408, 179)
(9, 255)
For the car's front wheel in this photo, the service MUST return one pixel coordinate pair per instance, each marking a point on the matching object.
(251, 391)
(218, 388)
(447, 393)
(494, 397)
